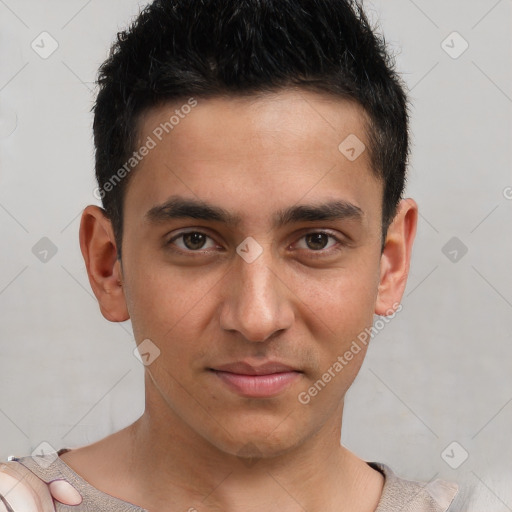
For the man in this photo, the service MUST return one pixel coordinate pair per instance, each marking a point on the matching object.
(251, 158)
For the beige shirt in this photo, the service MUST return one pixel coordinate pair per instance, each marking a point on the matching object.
(398, 495)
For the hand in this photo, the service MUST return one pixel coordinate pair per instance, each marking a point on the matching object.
(22, 491)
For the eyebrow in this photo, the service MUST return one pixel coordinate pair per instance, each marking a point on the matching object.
(177, 207)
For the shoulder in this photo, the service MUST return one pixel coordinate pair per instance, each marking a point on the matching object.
(49, 467)
(399, 493)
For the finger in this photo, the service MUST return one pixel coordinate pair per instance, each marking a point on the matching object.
(16, 495)
(64, 492)
(4, 505)
(23, 491)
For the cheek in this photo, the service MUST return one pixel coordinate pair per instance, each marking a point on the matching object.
(340, 342)
(163, 300)
(167, 301)
(340, 311)
(342, 302)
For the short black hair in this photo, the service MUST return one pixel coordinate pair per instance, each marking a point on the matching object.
(178, 49)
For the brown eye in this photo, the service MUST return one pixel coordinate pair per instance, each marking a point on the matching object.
(317, 241)
(194, 241)
(319, 244)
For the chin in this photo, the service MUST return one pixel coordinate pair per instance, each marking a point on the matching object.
(258, 444)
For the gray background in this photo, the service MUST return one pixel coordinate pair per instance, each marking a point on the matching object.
(438, 373)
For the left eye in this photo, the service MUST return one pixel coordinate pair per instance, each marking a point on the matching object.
(317, 241)
(192, 241)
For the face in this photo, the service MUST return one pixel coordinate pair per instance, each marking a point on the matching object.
(252, 261)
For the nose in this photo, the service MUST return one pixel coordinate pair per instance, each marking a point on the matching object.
(257, 304)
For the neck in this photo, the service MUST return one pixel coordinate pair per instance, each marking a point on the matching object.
(160, 463)
(178, 466)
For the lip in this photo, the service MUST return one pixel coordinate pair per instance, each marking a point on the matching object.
(244, 368)
(262, 381)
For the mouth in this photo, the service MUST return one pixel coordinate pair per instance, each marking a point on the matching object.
(262, 381)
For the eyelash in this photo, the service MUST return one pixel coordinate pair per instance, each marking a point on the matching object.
(313, 254)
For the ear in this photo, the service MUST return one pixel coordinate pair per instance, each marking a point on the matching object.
(396, 257)
(98, 246)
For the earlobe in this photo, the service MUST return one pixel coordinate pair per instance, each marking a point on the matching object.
(98, 246)
(396, 257)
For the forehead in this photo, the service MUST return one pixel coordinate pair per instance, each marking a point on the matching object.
(257, 151)
(263, 124)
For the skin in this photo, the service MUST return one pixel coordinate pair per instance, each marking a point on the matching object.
(23, 490)
(198, 443)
